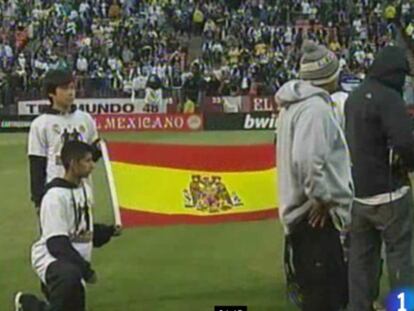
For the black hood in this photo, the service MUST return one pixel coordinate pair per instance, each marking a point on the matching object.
(60, 183)
(390, 67)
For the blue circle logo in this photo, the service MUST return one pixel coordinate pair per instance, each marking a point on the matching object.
(401, 300)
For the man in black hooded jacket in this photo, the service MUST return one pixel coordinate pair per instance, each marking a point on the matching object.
(381, 143)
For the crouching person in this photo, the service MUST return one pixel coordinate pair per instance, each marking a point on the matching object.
(61, 257)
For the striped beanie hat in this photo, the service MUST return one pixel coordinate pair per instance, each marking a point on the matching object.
(318, 64)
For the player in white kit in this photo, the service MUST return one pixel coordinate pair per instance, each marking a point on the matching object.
(59, 123)
(61, 257)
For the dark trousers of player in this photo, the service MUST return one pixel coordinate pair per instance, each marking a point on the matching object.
(392, 224)
(65, 291)
(320, 269)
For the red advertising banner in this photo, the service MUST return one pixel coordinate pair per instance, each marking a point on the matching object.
(213, 104)
(259, 103)
(149, 122)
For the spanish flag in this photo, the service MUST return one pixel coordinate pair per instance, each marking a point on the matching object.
(164, 184)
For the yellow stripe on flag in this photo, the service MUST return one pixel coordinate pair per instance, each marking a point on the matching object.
(164, 190)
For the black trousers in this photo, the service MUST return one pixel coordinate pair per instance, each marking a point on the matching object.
(319, 267)
(64, 288)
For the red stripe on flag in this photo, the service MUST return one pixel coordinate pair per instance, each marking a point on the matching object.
(133, 218)
(193, 157)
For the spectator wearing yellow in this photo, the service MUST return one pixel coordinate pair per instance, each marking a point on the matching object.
(334, 45)
(260, 49)
(390, 12)
(198, 20)
(234, 55)
(189, 106)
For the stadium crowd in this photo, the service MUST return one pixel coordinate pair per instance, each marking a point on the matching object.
(247, 47)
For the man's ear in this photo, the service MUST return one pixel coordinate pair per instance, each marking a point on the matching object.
(51, 96)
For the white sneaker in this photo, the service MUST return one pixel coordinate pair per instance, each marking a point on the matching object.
(25, 302)
(17, 302)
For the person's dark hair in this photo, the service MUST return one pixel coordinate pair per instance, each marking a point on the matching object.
(74, 150)
(55, 78)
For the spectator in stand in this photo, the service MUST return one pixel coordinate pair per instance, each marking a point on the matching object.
(188, 106)
(246, 36)
(194, 83)
(114, 10)
(153, 95)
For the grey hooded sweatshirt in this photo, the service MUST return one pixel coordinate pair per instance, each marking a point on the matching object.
(312, 156)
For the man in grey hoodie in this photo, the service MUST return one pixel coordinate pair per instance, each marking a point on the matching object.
(315, 184)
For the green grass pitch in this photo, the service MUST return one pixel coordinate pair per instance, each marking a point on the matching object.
(174, 268)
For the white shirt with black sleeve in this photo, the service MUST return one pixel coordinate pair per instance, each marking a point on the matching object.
(66, 210)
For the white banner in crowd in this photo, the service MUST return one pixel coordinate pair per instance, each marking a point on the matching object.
(232, 103)
(93, 106)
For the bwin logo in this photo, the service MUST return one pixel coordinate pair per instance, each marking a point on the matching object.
(255, 123)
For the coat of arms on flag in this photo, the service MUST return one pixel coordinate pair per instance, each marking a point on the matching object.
(209, 194)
